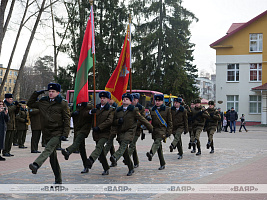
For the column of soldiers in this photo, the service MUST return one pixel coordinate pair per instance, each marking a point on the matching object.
(107, 123)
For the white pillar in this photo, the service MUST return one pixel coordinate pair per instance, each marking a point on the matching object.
(264, 107)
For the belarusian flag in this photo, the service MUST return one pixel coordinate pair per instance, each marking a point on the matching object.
(118, 81)
(85, 63)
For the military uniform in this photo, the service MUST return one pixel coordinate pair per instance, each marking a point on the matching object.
(11, 125)
(180, 125)
(199, 118)
(22, 126)
(125, 122)
(82, 125)
(101, 133)
(160, 131)
(212, 122)
(55, 121)
(36, 129)
(132, 147)
(190, 129)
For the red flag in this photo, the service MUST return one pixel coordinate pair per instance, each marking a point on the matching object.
(85, 63)
(118, 81)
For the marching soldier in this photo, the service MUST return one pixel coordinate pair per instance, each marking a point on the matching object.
(55, 120)
(180, 125)
(36, 129)
(212, 122)
(82, 125)
(125, 122)
(22, 124)
(162, 123)
(109, 147)
(199, 118)
(132, 146)
(104, 119)
(13, 109)
(190, 127)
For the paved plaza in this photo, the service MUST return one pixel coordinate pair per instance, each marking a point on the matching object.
(239, 158)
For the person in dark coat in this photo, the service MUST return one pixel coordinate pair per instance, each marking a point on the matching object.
(55, 120)
(36, 129)
(22, 124)
(232, 119)
(4, 117)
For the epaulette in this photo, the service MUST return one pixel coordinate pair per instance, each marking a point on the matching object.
(181, 108)
(130, 107)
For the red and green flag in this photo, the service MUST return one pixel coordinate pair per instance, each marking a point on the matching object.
(85, 63)
(118, 81)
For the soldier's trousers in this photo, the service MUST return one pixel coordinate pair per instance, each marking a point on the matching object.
(8, 141)
(157, 147)
(123, 151)
(133, 151)
(50, 151)
(99, 152)
(36, 134)
(210, 133)
(15, 137)
(79, 143)
(21, 137)
(177, 141)
(109, 147)
(219, 126)
(197, 131)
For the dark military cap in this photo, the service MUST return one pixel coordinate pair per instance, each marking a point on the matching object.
(54, 86)
(179, 100)
(8, 95)
(159, 97)
(104, 94)
(180, 95)
(197, 101)
(136, 95)
(211, 102)
(22, 102)
(128, 95)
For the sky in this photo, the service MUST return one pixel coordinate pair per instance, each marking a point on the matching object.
(215, 18)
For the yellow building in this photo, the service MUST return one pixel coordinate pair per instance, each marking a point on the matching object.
(10, 82)
(241, 69)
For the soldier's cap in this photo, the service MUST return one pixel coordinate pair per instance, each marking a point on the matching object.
(179, 100)
(180, 95)
(136, 95)
(211, 102)
(22, 102)
(104, 94)
(54, 86)
(127, 95)
(159, 97)
(232, 108)
(197, 101)
(8, 95)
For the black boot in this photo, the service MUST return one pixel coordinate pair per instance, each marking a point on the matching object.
(65, 153)
(90, 162)
(189, 145)
(198, 152)
(130, 173)
(34, 167)
(113, 161)
(106, 172)
(85, 170)
(171, 148)
(208, 145)
(212, 150)
(194, 148)
(149, 156)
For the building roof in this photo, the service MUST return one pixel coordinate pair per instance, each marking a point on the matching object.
(234, 26)
(261, 87)
(237, 27)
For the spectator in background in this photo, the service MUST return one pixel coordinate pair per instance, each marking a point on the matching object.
(232, 119)
(4, 117)
(220, 122)
(243, 123)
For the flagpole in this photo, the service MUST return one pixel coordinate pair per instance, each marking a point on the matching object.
(93, 53)
(130, 42)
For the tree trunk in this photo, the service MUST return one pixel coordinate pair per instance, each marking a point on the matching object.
(160, 35)
(14, 47)
(15, 91)
(54, 41)
(2, 16)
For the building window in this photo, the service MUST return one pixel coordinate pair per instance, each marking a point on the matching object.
(255, 42)
(10, 73)
(255, 104)
(10, 80)
(5, 89)
(232, 101)
(255, 72)
(1, 72)
(14, 80)
(9, 89)
(233, 72)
